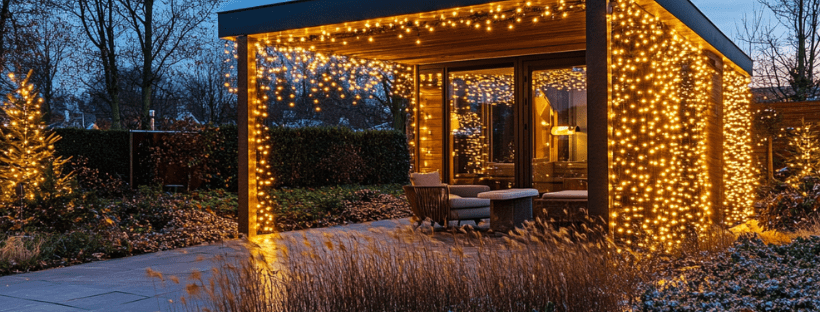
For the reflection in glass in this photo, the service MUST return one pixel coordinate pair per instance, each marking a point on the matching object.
(430, 123)
(482, 127)
(560, 138)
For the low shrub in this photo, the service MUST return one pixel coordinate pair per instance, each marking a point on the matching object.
(750, 276)
(301, 208)
(788, 206)
(90, 179)
(18, 252)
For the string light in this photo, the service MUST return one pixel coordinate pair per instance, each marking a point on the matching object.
(28, 148)
(487, 15)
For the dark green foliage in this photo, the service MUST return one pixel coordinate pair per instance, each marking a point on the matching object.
(303, 157)
(387, 154)
(107, 151)
(225, 154)
(300, 208)
(330, 156)
(751, 276)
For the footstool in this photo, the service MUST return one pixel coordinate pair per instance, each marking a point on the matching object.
(553, 206)
(509, 208)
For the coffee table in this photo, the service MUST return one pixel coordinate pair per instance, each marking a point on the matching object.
(509, 208)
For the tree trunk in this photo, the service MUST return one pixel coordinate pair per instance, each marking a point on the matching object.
(4, 14)
(148, 59)
(769, 159)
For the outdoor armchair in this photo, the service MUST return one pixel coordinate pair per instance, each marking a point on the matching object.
(429, 198)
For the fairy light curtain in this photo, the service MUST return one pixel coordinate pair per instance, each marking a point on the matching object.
(740, 177)
(661, 86)
(470, 130)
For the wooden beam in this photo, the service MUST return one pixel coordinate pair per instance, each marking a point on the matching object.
(598, 77)
(450, 45)
(247, 99)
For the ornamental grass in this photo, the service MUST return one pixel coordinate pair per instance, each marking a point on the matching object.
(537, 268)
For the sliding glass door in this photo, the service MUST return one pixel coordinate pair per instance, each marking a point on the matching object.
(513, 122)
(559, 103)
(482, 127)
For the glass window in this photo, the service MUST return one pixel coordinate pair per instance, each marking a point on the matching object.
(482, 127)
(560, 129)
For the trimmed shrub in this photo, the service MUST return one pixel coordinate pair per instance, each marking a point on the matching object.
(226, 155)
(387, 154)
(788, 206)
(107, 151)
(311, 157)
(302, 157)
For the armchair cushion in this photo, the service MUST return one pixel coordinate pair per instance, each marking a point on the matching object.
(463, 203)
(470, 213)
(468, 190)
(425, 179)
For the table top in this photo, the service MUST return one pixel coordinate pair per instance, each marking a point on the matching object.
(509, 194)
(578, 194)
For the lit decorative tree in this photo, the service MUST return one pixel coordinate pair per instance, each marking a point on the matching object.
(804, 149)
(27, 157)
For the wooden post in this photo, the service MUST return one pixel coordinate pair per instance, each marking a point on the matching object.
(247, 101)
(598, 36)
(770, 159)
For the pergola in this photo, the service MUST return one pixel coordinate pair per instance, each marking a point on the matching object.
(666, 95)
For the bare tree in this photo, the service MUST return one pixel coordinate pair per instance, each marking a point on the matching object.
(101, 25)
(786, 63)
(48, 46)
(202, 87)
(5, 14)
(166, 31)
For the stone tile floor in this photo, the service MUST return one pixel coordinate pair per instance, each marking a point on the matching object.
(123, 284)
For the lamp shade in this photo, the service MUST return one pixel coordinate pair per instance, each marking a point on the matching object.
(565, 130)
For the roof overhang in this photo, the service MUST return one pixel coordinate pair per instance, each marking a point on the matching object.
(275, 19)
(280, 16)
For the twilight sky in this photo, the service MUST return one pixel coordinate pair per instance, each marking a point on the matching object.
(726, 13)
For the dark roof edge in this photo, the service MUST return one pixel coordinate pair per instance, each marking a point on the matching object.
(704, 27)
(261, 6)
(310, 13)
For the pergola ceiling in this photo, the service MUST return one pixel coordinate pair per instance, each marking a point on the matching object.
(515, 28)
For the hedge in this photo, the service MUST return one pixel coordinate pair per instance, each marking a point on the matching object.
(301, 157)
(331, 156)
(107, 151)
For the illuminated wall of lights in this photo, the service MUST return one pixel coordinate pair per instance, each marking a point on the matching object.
(661, 82)
(740, 176)
(660, 186)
